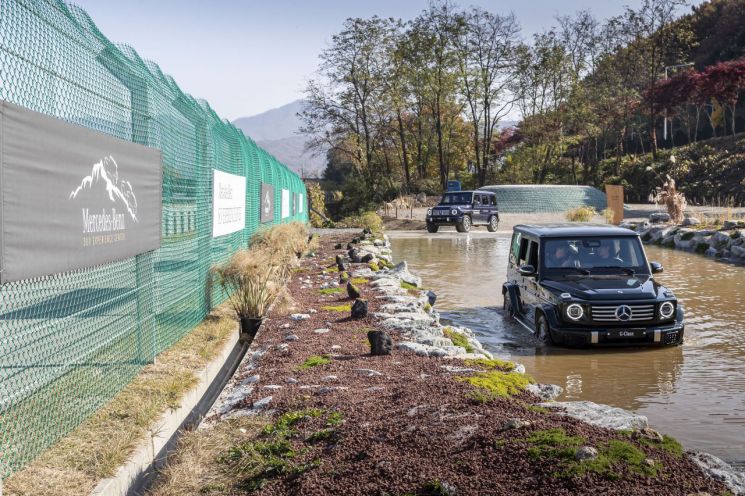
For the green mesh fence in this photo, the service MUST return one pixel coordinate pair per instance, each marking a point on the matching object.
(69, 342)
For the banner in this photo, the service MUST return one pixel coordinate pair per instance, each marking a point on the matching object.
(72, 197)
(228, 203)
(285, 203)
(614, 196)
(267, 203)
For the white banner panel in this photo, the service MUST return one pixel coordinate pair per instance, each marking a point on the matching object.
(228, 203)
(285, 203)
(301, 203)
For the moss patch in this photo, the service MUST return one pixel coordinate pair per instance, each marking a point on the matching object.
(407, 285)
(373, 266)
(495, 384)
(559, 447)
(314, 361)
(330, 291)
(491, 364)
(337, 308)
(359, 280)
(458, 339)
(669, 444)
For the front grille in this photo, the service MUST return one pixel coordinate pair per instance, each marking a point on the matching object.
(607, 313)
(441, 211)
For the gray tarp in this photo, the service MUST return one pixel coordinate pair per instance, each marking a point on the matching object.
(71, 197)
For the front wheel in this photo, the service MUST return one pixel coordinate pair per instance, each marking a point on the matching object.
(542, 331)
(493, 224)
(507, 306)
(433, 228)
(464, 225)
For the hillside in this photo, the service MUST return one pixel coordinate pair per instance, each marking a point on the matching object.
(276, 131)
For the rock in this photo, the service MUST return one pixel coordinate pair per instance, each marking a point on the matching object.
(658, 217)
(291, 380)
(419, 349)
(691, 221)
(286, 325)
(431, 297)
(378, 242)
(312, 310)
(359, 309)
(273, 386)
(600, 415)
(369, 257)
(353, 291)
(720, 470)
(291, 337)
(720, 239)
(546, 392)
(252, 379)
(648, 433)
(261, 404)
(711, 252)
(458, 370)
(649, 462)
(354, 255)
(283, 347)
(337, 246)
(299, 316)
(401, 271)
(330, 378)
(322, 331)
(369, 372)
(515, 424)
(335, 347)
(586, 453)
(380, 343)
(732, 224)
(519, 368)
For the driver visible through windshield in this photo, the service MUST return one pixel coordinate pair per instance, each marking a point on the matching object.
(593, 255)
(456, 199)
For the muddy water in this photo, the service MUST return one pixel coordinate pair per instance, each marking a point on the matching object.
(695, 392)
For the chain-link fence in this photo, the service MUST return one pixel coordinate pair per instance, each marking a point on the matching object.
(69, 342)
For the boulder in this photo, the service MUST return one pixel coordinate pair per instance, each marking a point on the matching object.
(421, 197)
(401, 271)
(658, 217)
(299, 316)
(359, 309)
(431, 297)
(600, 415)
(380, 343)
(546, 392)
(353, 291)
(367, 258)
(340, 263)
(515, 424)
(720, 470)
(720, 239)
(586, 453)
(691, 221)
(338, 246)
(737, 251)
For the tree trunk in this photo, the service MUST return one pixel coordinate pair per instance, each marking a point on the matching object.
(404, 155)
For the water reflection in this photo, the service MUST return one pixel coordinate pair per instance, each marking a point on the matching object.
(695, 392)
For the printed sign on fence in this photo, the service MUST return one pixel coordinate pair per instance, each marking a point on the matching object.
(228, 203)
(614, 196)
(267, 203)
(72, 197)
(285, 203)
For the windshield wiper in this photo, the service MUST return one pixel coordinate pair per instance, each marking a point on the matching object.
(582, 271)
(627, 270)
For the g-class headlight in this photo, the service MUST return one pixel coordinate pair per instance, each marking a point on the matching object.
(429, 212)
(667, 309)
(575, 311)
(453, 212)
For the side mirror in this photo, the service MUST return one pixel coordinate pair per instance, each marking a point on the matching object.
(527, 270)
(656, 267)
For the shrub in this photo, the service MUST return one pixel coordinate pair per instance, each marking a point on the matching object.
(369, 220)
(250, 278)
(580, 214)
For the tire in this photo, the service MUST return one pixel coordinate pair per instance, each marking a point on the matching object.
(507, 306)
(542, 330)
(465, 225)
(433, 228)
(493, 224)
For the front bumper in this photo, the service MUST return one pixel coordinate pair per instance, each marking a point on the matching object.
(444, 220)
(662, 335)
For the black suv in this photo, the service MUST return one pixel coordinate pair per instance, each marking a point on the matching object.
(584, 284)
(464, 209)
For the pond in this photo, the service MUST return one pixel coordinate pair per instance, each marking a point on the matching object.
(694, 392)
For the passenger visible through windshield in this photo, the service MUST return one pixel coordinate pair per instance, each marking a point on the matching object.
(456, 199)
(594, 255)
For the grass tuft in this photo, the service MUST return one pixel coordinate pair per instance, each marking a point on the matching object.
(337, 308)
(496, 384)
(491, 364)
(314, 361)
(458, 339)
(330, 291)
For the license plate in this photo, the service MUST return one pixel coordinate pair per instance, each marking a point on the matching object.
(626, 334)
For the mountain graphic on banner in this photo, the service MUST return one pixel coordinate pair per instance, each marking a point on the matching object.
(104, 178)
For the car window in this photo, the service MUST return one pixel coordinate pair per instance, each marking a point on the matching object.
(456, 199)
(523, 256)
(595, 252)
(515, 252)
(532, 258)
(477, 199)
(493, 200)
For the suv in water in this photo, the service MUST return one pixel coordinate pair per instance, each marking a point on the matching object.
(464, 209)
(584, 284)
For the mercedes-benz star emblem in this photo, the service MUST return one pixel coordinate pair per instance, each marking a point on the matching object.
(623, 312)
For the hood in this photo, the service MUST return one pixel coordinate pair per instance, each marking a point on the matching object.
(639, 287)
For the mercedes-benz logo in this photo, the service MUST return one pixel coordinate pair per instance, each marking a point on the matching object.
(623, 312)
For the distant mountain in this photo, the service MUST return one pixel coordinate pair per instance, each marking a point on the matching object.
(276, 131)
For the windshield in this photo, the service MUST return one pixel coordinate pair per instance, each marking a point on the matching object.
(594, 255)
(456, 199)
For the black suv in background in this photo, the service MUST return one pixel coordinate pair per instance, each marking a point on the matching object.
(583, 284)
(464, 209)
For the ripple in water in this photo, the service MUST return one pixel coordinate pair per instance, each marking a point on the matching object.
(695, 392)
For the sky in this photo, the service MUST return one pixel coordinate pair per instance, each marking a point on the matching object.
(246, 57)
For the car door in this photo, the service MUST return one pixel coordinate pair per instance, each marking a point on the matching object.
(531, 289)
(480, 211)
